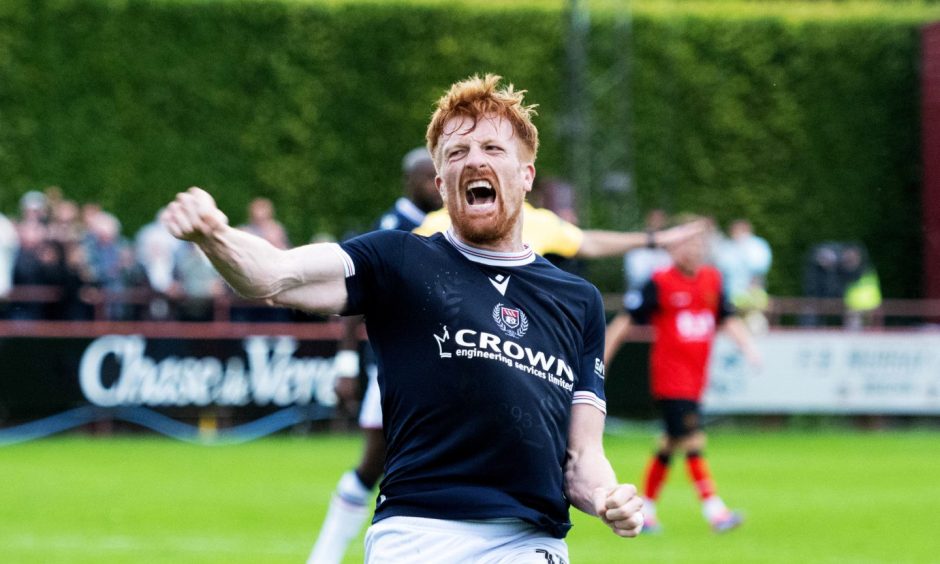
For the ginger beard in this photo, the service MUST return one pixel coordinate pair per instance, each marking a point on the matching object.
(488, 226)
(484, 190)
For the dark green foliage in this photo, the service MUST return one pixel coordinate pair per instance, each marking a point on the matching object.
(809, 128)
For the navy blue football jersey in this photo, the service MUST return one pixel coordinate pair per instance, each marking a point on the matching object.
(480, 356)
(404, 216)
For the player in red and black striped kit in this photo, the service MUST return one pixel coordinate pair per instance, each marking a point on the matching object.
(685, 305)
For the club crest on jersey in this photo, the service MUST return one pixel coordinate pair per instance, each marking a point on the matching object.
(512, 321)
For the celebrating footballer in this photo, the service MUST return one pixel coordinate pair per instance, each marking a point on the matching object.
(490, 358)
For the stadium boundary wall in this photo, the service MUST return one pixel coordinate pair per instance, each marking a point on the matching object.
(261, 378)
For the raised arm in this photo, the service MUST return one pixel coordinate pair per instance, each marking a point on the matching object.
(311, 277)
(600, 243)
(590, 482)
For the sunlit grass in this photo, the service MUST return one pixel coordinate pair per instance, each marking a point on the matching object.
(808, 496)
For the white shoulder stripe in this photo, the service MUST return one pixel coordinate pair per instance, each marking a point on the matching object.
(589, 398)
(349, 267)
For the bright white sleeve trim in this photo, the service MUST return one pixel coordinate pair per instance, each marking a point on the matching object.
(348, 266)
(590, 398)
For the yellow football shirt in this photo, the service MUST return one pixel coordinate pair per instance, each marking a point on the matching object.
(542, 230)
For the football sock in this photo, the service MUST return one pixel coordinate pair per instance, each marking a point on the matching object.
(348, 510)
(701, 477)
(656, 474)
(714, 509)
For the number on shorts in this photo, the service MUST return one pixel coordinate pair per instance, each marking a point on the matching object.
(549, 557)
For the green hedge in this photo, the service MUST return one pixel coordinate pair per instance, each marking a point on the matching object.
(809, 129)
(802, 120)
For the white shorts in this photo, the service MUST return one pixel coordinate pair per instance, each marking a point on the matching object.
(370, 412)
(405, 540)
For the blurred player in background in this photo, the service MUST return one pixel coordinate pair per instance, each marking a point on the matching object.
(351, 502)
(487, 449)
(640, 264)
(684, 303)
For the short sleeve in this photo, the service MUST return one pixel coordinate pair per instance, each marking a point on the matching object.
(550, 234)
(372, 263)
(590, 386)
(641, 304)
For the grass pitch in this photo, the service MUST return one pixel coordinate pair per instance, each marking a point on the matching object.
(825, 497)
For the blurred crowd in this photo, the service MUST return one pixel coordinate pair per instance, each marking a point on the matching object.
(71, 261)
(61, 260)
(841, 270)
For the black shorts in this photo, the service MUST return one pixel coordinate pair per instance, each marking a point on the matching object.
(682, 417)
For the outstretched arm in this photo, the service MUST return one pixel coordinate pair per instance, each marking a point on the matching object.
(599, 243)
(590, 483)
(311, 277)
(617, 331)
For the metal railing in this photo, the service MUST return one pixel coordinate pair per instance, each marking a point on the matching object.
(100, 300)
(781, 311)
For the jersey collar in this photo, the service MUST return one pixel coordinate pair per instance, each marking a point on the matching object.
(491, 258)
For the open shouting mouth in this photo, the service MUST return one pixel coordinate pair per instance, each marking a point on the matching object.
(480, 193)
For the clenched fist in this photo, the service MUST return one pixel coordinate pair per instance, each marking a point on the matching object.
(193, 216)
(620, 509)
